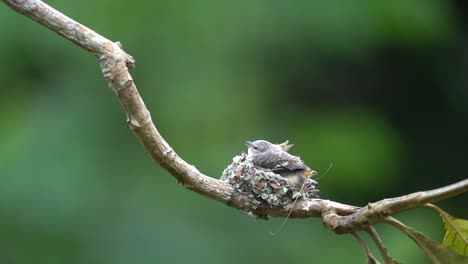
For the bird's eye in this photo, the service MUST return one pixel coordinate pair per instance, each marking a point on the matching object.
(255, 147)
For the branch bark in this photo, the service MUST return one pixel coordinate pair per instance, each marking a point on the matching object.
(370, 259)
(380, 246)
(115, 64)
(378, 211)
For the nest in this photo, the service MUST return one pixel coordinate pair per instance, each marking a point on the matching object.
(265, 187)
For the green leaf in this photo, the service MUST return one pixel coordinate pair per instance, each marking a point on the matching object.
(456, 235)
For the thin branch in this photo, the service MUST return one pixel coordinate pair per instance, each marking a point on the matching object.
(379, 244)
(115, 64)
(370, 259)
(425, 245)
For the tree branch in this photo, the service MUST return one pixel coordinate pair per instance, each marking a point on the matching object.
(414, 236)
(380, 246)
(376, 212)
(115, 64)
(370, 259)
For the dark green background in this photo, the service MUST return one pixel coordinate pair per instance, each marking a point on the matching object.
(378, 88)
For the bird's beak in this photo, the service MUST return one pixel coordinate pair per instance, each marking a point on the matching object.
(248, 144)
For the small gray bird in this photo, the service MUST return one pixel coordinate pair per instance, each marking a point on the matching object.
(274, 157)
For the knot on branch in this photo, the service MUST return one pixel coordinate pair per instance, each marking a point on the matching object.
(361, 219)
(266, 188)
(343, 224)
(332, 221)
(115, 64)
(129, 60)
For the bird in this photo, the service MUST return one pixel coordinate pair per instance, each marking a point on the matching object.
(274, 157)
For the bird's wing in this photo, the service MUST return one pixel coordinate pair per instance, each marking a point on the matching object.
(290, 162)
(279, 160)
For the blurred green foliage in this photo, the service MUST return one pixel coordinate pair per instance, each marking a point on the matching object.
(378, 88)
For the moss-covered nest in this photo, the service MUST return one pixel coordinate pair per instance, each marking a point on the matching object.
(265, 187)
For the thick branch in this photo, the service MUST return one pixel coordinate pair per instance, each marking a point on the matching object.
(115, 64)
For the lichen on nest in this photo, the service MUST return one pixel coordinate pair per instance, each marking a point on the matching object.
(265, 187)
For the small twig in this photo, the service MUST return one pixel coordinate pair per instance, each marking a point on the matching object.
(370, 259)
(403, 228)
(409, 232)
(326, 172)
(379, 244)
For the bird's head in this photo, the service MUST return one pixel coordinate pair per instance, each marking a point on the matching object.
(258, 146)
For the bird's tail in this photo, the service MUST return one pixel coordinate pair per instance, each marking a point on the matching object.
(285, 146)
(310, 173)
